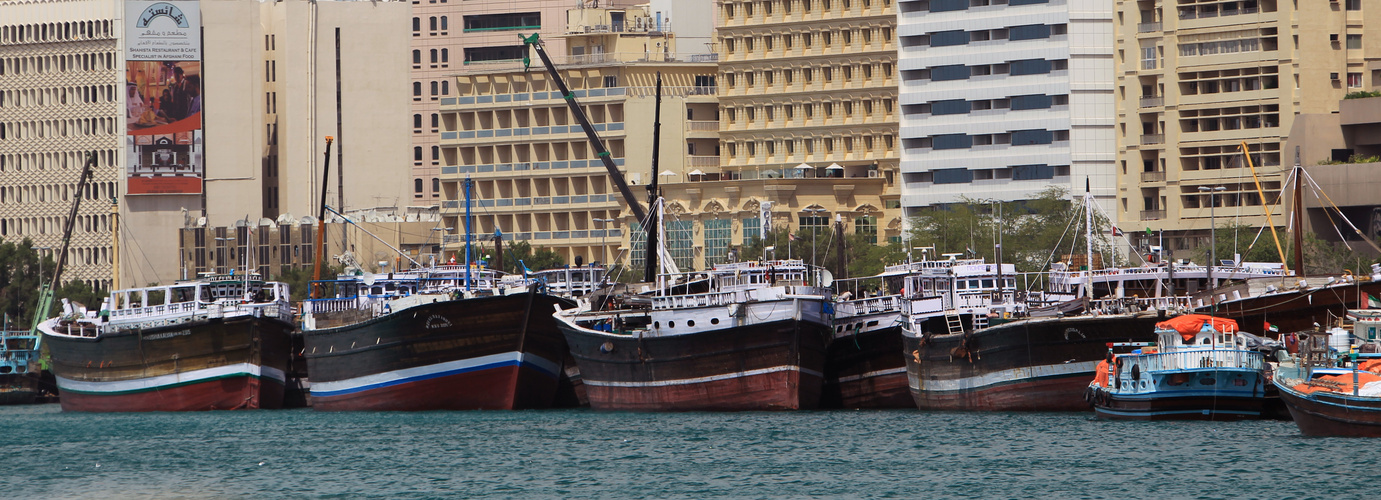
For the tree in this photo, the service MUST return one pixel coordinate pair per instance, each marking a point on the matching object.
(299, 279)
(541, 258)
(20, 280)
(1238, 238)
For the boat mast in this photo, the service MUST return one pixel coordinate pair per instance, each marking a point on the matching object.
(1264, 205)
(321, 223)
(1088, 236)
(468, 183)
(1299, 221)
(655, 221)
(46, 290)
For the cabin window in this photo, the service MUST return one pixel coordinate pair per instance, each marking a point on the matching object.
(987, 283)
(960, 285)
(973, 283)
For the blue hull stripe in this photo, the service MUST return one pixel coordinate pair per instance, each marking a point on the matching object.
(540, 365)
(1176, 412)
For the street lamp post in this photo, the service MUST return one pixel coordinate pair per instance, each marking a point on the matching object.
(40, 251)
(1213, 243)
(603, 250)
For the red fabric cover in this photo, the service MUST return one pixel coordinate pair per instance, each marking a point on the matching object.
(1189, 325)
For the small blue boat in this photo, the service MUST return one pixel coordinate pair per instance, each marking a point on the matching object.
(1200, 368)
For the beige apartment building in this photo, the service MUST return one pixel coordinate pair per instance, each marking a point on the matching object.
(535, 176)
(807, 120)
(1198, 78)
(280, 77)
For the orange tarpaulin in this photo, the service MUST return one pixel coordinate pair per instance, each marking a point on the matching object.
(1338, 383)
(1189, 325)
(1370, 365)
(1101, 374)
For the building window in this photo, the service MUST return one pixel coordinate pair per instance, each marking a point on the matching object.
(752, 229)
(950, 72)
(867, 226)
(436, 152)
(445, 56)
(417, 153)
(431, 23)
(1354, 41)
(503, 22)
(416, 88)
(436, 187)
(1027, 137)
(433, 54)
(949, 38)
(815, 224)
(717, 235)
(436, 120)
(1031, 102)
(435, 87)
(417, 57)
(1029, 32)
(1354, 80)
(445, 87)
(953, 176)
(416, 24)
(1030, 67)
(948, 5)
(444, 24)
(417, 121)
(950, 107)
(417, 187)
(1032, 172)
(1354, 4)
(953, 141)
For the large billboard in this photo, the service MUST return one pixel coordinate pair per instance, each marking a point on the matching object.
(163, 139)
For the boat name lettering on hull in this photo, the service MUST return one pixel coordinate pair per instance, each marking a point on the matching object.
(437, 321)
(167, 335)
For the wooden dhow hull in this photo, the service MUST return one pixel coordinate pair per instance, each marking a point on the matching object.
(498, 352)
(213, 364)
(1294, 310)
(865, 369)
(1325, 414)
(767, 366)
(1039, 364)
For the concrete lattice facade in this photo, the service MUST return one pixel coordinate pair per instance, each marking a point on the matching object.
(61, 77)
(1196, 79)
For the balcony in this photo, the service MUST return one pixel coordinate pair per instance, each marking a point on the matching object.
(1152, 101)
(1151, 139)
(701, 161)
(1153, 176)
(702, 125)
(1152, 214)
(1148, 27)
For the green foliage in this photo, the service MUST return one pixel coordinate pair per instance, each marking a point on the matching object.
(1356, 158)
(299, 279)
(1363, 94)
(1237, 238)
(541, 258)
(1031, 231)
(863, 256)
(20, 280)
(1332, 257)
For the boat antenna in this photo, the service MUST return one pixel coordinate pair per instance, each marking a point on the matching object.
(654, 219)
(1088, 235)
(1299, 220)
(468, 183)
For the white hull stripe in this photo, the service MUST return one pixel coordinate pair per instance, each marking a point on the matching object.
(171, 380)
(878, 373)
(1133, 413)
(701, 380)
(1009, 376)
(420, 373)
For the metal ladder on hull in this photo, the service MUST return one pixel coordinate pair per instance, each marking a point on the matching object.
(956, 325)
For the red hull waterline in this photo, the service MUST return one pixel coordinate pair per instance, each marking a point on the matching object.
(502, 388)
(882, 391)
(231, 393)
(780, 390)
(1046, 394)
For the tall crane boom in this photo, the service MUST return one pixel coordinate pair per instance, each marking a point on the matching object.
(46, 290)
(603, 154)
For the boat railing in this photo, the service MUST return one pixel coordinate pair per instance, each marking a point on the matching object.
(157, 310)
(317, 306)
(697, 300)
(1194, 359)
(870, 305)
(1127, 304)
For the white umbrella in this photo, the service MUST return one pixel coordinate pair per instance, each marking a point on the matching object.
(804, 166)
(834, 166)
(668, 173)
(695, 172)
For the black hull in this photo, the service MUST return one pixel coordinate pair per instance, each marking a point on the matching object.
(1042, 364)
(212, 364)
(769, 366)
(1296, 311)
(497, 352)
(866, 370)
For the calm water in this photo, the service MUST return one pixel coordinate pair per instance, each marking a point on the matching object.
(587, 454)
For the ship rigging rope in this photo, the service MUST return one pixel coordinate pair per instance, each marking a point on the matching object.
(1056, 248)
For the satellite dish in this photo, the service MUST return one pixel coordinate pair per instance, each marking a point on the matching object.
(369, 279)
(826, 278)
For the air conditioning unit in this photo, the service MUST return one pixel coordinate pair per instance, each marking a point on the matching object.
(1333, 76)
(872, 173)
(1333, 38)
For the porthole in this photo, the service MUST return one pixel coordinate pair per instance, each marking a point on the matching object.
(872, 323)
(656, 324)
(690, 323)
(671, 324)
(714, 321)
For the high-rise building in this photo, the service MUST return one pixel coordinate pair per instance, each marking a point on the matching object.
(1001, 99)
(61, 80)
(176, 149)
(1196, 80)
(806, 120)
(535, 176)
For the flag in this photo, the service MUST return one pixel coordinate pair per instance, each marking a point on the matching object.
(1373, 302)
(1271, 328)
(1116, 231)
(794, 237)
(765, 213)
